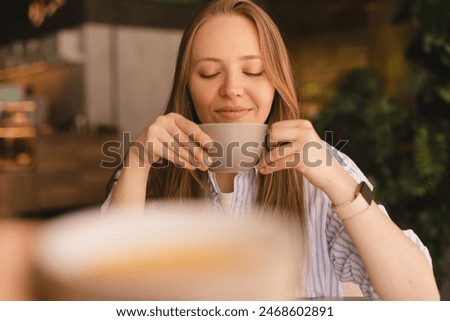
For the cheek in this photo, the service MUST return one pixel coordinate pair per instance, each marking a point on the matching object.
(266, 95)
(196, 94)
(200, 96)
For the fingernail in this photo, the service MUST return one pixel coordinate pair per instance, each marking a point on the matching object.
(210, 161)
(209, 145)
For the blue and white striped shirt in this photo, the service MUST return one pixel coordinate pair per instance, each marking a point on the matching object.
(332, 256)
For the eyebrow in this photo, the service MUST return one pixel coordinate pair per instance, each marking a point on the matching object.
(244, 58)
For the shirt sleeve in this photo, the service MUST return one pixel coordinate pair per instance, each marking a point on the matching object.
(347, 262)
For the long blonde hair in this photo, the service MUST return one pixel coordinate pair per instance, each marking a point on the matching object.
(281, 191)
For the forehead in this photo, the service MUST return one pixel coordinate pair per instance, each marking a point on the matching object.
(226, 36)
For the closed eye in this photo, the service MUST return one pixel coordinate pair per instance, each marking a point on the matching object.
(208, 76)
(254, 74)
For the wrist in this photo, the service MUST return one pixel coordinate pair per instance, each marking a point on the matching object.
(341, 186)
(362, 200)
(135, 160)
(343, 193)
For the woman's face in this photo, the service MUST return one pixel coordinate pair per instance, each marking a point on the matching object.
(227, 80)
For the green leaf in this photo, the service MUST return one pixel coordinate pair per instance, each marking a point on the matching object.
(444, 92)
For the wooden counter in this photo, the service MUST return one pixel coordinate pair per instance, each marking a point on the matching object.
(67, 175)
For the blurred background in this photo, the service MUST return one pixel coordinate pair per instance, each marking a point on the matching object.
(75, 74)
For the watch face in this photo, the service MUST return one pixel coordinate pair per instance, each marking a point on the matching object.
(366, 192)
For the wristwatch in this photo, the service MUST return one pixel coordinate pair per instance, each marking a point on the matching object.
(361, 202)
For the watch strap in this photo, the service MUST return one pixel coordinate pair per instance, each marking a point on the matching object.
(360, 203)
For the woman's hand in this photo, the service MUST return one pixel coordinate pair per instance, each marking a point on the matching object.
(175, 138)
(171, 137)
(296, 144)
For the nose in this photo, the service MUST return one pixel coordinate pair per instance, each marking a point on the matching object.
(232, 86)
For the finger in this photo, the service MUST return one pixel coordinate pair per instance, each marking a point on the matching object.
(164, 146)
(197, 156)
(178, 159)
(280, 135)
(294, 123)
(170, 135)
(192, 129)
(284, 150)
(186, 151)
(199, 153)
(290, 161)
(191, 136)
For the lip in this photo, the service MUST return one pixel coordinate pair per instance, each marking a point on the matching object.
(232, 113)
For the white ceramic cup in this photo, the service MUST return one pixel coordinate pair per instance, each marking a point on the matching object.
(237, 146)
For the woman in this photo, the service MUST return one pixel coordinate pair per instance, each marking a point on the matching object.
(233, 66)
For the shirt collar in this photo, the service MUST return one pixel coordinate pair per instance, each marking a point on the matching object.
(214, 187)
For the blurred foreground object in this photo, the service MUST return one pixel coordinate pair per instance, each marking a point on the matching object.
(16, 246)
(172, 252)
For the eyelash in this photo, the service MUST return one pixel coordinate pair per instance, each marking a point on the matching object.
(258, 74)
(208, 76)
